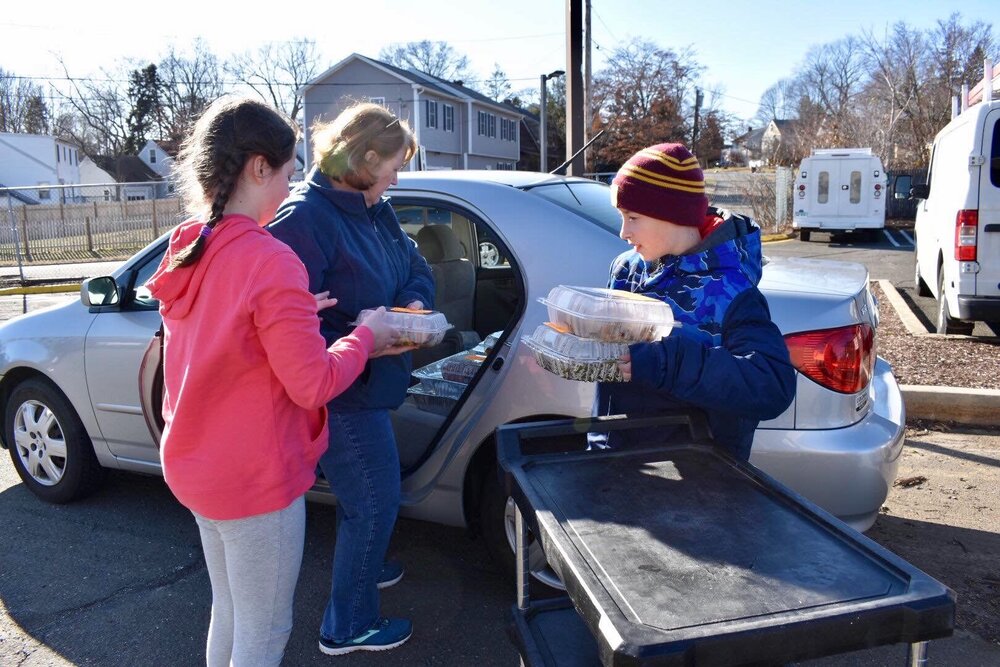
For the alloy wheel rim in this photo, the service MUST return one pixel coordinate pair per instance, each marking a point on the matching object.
(40, 443)
(538, 565)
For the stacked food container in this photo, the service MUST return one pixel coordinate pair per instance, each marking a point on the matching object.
(443, 382)
(590, 328)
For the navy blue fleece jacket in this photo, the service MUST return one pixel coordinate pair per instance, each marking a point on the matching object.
(726, 358)
(362, 256)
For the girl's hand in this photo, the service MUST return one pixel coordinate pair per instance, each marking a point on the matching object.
(391, 350)
(324, 300)
(625, 366)
(415, 305)
(385, 336)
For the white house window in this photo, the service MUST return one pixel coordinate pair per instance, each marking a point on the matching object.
(377, 100)
(448, 117)
(152, 156)
(487, 124)
(107, 196)
(431, 113)
(505, 166)
(508, 129)
(57, 153)
(44, 194)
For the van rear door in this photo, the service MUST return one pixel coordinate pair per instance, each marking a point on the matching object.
(988, 242)
(842, 191)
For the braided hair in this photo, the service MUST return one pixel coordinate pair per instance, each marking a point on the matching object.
(229, 132)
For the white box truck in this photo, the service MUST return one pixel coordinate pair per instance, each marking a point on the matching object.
(957, 252)
(839, 189)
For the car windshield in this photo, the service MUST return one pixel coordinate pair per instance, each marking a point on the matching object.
(590, 200)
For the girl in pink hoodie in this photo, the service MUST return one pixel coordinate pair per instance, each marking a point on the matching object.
(247, 376)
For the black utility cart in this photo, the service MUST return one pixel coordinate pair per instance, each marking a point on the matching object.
(677, 554)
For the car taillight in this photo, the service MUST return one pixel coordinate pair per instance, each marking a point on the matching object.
(840, 359)
(966, 224)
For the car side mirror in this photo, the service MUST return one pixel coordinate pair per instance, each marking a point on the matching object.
(102, 291)
(920, 191)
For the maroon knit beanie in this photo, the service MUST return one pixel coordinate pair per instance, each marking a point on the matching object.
(663, 182)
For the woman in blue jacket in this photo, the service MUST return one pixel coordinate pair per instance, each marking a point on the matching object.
(727, 358)
(347, 235)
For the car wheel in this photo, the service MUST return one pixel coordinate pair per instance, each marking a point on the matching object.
(804, 234)
(918, 281)
(946, 324)
(49, 446)
(496, 517)
(489, 254)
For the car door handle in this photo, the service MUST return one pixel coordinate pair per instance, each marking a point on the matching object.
(992, 227)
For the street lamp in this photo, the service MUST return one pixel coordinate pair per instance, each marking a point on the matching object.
(544, 143)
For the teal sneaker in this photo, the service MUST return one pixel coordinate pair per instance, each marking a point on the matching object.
(391, 574)
(386, 633)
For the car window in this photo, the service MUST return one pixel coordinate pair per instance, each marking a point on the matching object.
(140, 293)
(590, 200)
(995, 157)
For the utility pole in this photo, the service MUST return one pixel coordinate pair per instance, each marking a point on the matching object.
(587, 112)
(574, 86)
(698, 98)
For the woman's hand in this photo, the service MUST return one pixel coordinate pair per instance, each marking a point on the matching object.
(625, 366)
(324, 300)
(415, 305)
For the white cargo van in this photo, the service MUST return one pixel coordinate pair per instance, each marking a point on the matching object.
(839, 189)
(957, 254)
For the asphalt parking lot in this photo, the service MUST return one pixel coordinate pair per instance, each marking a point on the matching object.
(118, 579)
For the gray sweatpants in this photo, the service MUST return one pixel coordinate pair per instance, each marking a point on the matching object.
(253, 564)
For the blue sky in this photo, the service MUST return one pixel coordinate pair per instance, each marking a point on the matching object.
(745, 46)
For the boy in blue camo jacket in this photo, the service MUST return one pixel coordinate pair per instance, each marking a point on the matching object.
(727, 357)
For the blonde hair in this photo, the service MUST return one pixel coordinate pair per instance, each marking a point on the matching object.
(341, 146)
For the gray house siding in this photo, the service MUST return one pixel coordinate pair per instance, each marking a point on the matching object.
(437, 111)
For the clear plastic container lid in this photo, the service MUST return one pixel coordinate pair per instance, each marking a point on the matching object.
(432, 378)
(428, 400)
(425, 328)
(609, 315)
(573, 357)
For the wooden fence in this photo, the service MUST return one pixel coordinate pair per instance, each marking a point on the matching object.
(89, 231)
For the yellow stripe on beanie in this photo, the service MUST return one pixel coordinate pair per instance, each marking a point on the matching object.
(670, 160)
(694, 187)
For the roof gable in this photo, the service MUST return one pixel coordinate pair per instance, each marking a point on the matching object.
(126, 168)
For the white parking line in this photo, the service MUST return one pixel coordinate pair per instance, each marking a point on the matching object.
(907, 236)
(891, 240)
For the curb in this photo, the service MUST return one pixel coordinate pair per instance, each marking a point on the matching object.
(973, 407)
(40, 289)
(767, 238)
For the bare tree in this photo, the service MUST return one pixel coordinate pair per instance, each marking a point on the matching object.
(435, 58)
(189, 83)
(497, 87)
(642, 97)
(22, 105)
(98, 107)
(777, 102)
(277, 71)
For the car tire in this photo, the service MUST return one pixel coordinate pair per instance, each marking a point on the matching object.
(804, 234)
(946, 324)
(918, 280)
(497, 526)
(48, 444)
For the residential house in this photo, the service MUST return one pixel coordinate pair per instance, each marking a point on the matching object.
(159, 156)
(745, 150)
(119, 178)
(456, 127)
(779, 144)
(39, 160)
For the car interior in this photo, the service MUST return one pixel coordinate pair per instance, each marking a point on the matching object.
(479, 300)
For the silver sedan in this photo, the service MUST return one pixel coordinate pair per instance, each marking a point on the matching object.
(79, 382)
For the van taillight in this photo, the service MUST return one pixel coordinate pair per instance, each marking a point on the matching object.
(840, 359)
(966, 224)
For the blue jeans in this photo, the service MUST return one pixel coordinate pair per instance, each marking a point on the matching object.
(362, 467)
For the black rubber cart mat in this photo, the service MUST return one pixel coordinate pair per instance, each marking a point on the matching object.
(679, 554)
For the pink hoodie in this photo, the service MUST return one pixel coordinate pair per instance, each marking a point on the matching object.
(246, 372)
